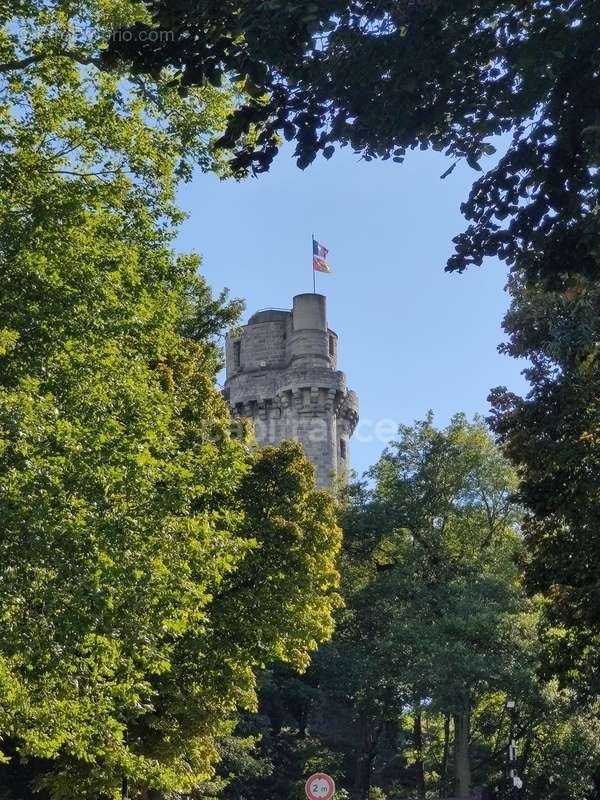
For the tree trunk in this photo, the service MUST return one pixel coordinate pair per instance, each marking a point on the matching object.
(444, 764)
(462, 767)
(362, 776)
(303, 719)
(364, 762)
(596, 781)
(418, 745)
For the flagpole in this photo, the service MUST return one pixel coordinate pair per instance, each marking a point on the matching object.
(312, 261)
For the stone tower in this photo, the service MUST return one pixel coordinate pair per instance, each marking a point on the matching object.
(281, 372)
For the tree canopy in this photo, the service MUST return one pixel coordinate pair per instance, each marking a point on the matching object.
(387, 76)
(145, 551)
(552, 436)
(408, 699)
(151, 562)
(446, 591)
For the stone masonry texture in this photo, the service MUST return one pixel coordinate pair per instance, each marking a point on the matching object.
(281, 372)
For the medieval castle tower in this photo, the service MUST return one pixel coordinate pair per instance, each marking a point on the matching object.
(281, 372)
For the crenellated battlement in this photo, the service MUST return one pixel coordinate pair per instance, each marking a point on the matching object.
(281, 372)
(308, 400)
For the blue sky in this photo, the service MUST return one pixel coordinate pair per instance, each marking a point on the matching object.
(411, 336)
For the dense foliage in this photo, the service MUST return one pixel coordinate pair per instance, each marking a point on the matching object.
(151, 564)
(408, 700)
(391, 75)
(145, 552)
(386, 76)
(553, 435)
(463, 77)
(442, 604)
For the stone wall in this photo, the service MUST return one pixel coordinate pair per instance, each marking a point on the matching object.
(281, 372)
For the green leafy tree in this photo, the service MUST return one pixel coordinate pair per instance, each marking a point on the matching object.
(463, 72)
(150, 562)
(408, 700)
(559, 746)
(552, 435)
(329, 72)
(445, 600)
(431, 627)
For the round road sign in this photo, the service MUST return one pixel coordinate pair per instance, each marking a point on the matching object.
(319, 787)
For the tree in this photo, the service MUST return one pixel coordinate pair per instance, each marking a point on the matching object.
(552, 436)
(409, 697)
(559, 746)
(145, 552)
(430, 629)
(446, 598)
(462, 73)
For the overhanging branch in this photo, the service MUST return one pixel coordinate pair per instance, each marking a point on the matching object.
(23, 63)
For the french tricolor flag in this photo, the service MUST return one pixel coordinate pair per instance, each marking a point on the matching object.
(319, 257)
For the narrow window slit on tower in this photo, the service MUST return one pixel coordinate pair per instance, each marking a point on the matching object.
(331, 346)
(343, 450)
(237, 354)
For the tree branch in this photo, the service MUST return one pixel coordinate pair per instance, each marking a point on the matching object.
(80, 58)
(9, 66)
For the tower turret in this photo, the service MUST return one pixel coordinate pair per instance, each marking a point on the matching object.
(281, 372)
